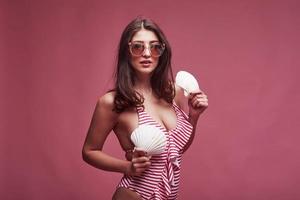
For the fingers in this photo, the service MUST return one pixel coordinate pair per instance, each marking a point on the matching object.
(140, 164)
(200, 93)
(138, 153)
(134, 153)
(129, 154)
(198, 99)
(192, 94)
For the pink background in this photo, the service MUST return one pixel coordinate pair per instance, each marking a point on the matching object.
(57, 58)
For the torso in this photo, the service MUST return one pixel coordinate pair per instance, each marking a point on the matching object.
(161, 111)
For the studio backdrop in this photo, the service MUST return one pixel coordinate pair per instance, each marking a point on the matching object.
(58, 57)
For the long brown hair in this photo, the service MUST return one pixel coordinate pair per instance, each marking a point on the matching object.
(161, 79)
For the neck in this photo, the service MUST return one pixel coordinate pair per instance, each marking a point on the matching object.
(143, 84)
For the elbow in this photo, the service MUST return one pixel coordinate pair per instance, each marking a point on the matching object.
(84, 155)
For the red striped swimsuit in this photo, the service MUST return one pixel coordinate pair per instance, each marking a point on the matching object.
(161, 180)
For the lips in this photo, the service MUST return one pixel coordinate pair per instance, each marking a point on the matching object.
(146, 62)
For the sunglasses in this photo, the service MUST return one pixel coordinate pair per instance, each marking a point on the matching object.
(137, 48)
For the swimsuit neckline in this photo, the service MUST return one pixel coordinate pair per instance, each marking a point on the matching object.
(159, 124)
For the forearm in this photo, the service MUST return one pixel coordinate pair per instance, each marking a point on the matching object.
(197, 102)
(105, 162)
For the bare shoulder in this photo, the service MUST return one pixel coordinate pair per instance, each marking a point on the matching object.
(107, 99)
(105, 104)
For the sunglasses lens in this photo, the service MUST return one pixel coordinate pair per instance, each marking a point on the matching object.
(137, 48)
(157, 49)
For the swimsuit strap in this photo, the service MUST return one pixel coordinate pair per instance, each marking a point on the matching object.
(139, 110)
(178, 109)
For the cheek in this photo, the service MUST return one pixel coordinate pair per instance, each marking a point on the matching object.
(155, 60)
(134, 62)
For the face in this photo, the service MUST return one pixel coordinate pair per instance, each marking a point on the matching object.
(147, 61)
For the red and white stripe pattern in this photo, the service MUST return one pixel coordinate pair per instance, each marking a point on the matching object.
(161, 180)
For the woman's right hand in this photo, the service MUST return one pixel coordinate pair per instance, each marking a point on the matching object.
(139, 163)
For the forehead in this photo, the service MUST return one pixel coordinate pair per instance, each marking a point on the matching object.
(145, 36)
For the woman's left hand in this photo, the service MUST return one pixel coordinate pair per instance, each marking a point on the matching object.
(198, 102)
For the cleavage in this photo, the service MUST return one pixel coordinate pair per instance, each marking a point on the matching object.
(160, 117)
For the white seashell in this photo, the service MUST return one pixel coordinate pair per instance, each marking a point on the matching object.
(187, 82)
(149, 138)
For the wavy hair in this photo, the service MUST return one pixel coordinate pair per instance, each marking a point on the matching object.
(161, 79)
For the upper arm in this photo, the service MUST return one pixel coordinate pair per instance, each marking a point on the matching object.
(180, 99)
(103, 121)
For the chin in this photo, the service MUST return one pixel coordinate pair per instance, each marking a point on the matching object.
(145, 70)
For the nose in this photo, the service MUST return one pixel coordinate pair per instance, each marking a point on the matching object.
(147, 52)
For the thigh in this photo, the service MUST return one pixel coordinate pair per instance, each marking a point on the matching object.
(125, 194)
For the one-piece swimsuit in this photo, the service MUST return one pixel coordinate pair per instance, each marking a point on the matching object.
(161, 180)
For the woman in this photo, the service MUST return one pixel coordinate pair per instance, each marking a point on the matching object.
(144, 94)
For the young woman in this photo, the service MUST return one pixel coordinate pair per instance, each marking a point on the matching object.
(144, 93)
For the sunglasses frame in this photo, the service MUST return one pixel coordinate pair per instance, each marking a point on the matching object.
(144, 46)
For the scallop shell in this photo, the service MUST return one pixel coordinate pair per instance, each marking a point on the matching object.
(149, 138)
(187, 82)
